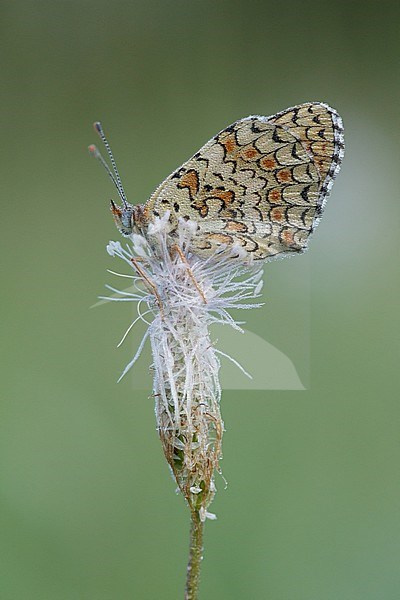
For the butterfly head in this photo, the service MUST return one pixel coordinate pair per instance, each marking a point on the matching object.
(128, 219)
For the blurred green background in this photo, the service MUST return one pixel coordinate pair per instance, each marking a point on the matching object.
(88, 510)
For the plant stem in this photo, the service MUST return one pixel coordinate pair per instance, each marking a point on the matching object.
(195, 557)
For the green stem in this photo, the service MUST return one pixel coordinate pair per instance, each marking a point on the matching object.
(195, 557)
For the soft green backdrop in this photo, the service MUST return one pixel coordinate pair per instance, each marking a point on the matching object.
(88, 510)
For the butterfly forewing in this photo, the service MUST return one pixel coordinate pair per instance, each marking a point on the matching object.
(257, 184)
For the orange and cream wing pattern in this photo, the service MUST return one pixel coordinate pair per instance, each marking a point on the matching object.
(320, 129)
(260, 183)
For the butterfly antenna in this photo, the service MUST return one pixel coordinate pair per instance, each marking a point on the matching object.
(96, 153)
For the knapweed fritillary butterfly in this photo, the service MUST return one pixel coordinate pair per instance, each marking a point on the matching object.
(261, 183)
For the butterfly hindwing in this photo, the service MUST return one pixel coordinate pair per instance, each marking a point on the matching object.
(320, 129)
(257, 184)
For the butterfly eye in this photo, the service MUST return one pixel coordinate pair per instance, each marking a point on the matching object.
(123, 218)
(127, 221)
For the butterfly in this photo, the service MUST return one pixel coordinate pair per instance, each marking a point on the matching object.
(261, 183)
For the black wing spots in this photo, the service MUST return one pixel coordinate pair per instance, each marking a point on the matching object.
(207, 187)
(164, 201)
(284, 113)
(229, 129)
(303, 216)
(240, 200)
(234, 181)
(254, 127)
(320, 133)
(198, 157)
(295, 116)
(316, 119)
(294, 153)
(305, 193)
(312, 229)
(176, 207)
(307, 131)
(296, 217)
(259, 212)
(276, 138)
(178, 173)
(219, 176)
(308, 169)
(224, 150)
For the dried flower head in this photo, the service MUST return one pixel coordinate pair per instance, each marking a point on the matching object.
(184, 295)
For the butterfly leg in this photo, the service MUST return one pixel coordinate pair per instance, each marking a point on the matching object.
(152, 288)
(190, 272)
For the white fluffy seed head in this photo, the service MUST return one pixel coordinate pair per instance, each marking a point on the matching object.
(185, 294)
